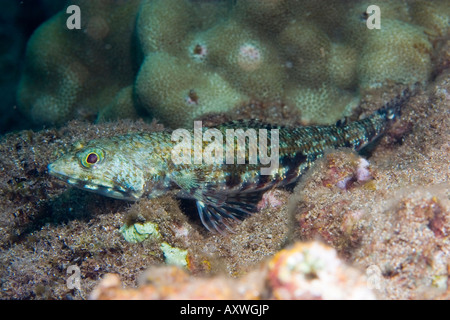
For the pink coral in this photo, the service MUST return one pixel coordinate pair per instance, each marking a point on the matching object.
(270, 198)
(362, 172)
(313, 271)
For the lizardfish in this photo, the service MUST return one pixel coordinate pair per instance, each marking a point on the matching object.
(141, 164)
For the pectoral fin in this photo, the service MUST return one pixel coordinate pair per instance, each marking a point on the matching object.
(215, 209)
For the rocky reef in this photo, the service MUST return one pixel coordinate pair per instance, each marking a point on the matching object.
(180, 60)
(303, 271)
(387, 216)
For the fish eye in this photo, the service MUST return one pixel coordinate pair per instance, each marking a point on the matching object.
(91, 157)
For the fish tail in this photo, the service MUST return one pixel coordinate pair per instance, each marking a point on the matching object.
(360, 133)
(392, 109)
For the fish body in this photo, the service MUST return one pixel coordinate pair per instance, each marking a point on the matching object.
(139, 165)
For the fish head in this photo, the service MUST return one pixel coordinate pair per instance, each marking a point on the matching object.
(101, 168)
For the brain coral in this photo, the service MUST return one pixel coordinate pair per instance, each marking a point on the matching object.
(180, 60)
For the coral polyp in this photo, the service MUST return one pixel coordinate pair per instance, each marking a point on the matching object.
(198, 51)
(192, 97)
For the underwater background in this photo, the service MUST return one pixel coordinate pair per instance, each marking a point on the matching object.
(149, 65)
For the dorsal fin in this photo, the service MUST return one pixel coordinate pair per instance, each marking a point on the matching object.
(342, 122)
(248, 124)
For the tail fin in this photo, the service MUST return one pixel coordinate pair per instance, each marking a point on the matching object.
(392, 109)
(361, 133)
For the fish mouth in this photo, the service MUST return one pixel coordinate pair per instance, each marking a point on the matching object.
(109, 190)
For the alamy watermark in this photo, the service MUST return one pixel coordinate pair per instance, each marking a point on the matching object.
(373, 13)
(213, 153)
(74, 280)
(374, 19)
(187, 151)
(74, 20)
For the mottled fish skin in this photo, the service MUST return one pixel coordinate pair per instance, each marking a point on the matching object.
(139, 165)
